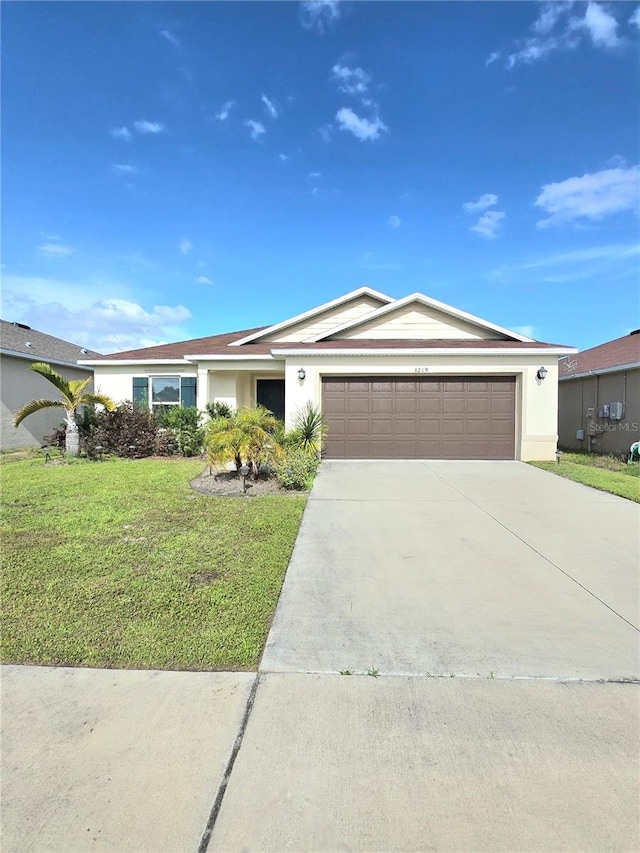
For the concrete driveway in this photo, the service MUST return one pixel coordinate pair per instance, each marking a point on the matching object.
(499, 604)
(439, 568)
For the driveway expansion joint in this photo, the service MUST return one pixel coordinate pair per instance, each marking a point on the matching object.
(559, 679)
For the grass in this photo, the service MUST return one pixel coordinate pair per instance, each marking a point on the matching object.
(120, 564)
(600, 472)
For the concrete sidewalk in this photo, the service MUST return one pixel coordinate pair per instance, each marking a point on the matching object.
(114, 760)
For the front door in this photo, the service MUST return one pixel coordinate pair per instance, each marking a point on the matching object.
(270, 394)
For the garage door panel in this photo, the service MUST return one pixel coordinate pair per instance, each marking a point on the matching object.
(382, 427)
(406, 405)
(425, 417)
(357, 406)
(382, 405)
(431, 426)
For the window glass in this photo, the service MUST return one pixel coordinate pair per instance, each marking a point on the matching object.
(165, 389)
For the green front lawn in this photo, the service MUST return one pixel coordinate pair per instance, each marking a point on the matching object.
(600, 472)
(121, 564)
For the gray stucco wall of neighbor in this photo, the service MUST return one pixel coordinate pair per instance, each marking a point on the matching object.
(18, 386)
(601, 435)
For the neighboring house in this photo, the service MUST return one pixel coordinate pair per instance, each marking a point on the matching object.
(405, 378)
(599, 397)
(21, 346)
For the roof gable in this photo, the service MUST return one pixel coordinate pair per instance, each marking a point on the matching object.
(418, 316)
(318, 321)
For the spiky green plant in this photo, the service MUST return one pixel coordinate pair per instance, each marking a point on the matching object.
(73, 394)
(309, 430)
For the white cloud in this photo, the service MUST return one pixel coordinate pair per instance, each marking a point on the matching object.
(315, 174)
(123, 169)
(170, 38)
(284, 157)
(121, 133)
(602, 26)
(56, 250)
(319, 14)
(493, 57)
(256, 129)
(590, 196)
(607, 262)
(225, 109)
(353, 81)
(363, 128)
(635, 18)
(69, 310)
(144, 127)
(489, 223)
(557, 27)
(485, 201)
(202, 279)
(185, 246)
(394, 221)
(325, 132)
(270, 107)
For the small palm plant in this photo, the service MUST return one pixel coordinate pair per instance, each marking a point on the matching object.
(73, 394)
(248, 436)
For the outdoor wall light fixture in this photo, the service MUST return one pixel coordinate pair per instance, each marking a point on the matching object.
(301, 374)
(541, 374)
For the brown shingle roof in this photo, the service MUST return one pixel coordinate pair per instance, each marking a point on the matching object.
(221, 345)
(14, 337)
(615, 353)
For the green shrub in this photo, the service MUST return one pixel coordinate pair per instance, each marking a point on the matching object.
(219, 410)
(184, 423)
(309, 430)
(297, 469)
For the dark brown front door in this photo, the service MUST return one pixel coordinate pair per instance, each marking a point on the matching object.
(426, 417)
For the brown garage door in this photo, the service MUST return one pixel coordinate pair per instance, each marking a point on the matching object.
(426, 417)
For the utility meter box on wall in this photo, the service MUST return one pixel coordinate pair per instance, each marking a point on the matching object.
(615, 411)
(580, 434)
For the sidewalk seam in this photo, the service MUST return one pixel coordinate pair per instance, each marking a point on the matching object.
(217, 803)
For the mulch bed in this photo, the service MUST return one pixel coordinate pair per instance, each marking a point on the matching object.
(228, 484)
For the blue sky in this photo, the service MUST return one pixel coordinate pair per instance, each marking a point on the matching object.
(175, 170)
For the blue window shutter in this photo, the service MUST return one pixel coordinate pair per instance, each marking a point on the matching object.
(140, 394)
(188, 391)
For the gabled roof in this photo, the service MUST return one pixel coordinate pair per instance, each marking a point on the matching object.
(20, 340)
(619, 353)
(429, 303)
(314, 312)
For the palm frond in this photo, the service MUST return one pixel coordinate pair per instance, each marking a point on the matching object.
(77, 386)
(36, 406)
(55, 378)
(101, 399)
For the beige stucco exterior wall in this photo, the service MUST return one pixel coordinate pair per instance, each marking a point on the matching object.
(18, 386)
(580, 402)
(116, 381)
(536, 400)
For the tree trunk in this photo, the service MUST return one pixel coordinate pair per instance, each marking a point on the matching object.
(72, 437)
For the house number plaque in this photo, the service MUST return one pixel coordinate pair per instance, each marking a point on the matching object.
(421, 369)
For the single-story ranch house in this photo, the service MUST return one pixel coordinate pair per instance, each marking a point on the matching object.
(408, 378)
